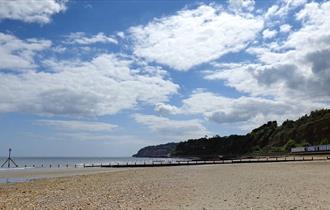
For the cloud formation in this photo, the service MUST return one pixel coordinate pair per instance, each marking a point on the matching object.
(83, 39)
(294, 72)
(241, 5)
(171, 130)
(31, 10)
(166, 109)
(104, 85)
(17, 54)
(268, 34)
(295, 67)
(74, 125)
(194, 36)
(279, 68)
(245, 112)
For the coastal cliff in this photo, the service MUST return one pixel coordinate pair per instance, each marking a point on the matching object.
(163, 150)
(312, 129)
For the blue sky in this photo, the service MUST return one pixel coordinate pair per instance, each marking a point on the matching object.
(105, 78)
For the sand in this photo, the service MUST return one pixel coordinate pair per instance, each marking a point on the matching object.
(294, 185)
(37, 173)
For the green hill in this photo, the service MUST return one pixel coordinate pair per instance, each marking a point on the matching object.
(313, 129)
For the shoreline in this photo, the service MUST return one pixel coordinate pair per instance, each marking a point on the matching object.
(29, 174)
(286, 185)
(13, 175)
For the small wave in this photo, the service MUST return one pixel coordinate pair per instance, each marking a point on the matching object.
(12, 169)
(14, 180)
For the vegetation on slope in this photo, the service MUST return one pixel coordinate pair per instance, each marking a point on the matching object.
(163, 150)
(313, 129)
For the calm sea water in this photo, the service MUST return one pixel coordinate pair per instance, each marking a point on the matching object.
(38, 162)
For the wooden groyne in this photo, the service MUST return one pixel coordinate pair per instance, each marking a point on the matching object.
(168, 163)
(215, 162)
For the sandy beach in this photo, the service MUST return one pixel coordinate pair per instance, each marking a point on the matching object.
(294, 185)
(29, 174)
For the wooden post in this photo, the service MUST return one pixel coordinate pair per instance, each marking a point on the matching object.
(9, 160)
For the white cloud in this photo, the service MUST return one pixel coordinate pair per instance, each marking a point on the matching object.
(295, 3)
(105, 85)
(299, 66)
(59, 49)
(193, 37)
(226, 110)
(17, 54)
(121, 34)
(241, 77)
(283, 8)
(243, 112)
(83, 39)
(241, 5)
(74, 126)
(271, 11)
(115, 141)
(285, 28)
(31, 10)
(294, 72)
(165, 109)
(289, 76)
(172, 129)
(268, 34)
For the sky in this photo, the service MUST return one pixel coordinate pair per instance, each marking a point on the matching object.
(107, 77)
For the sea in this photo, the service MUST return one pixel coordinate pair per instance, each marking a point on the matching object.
(47, 162)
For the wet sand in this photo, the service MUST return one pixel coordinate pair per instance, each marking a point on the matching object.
(293, 185)
(37, 173)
